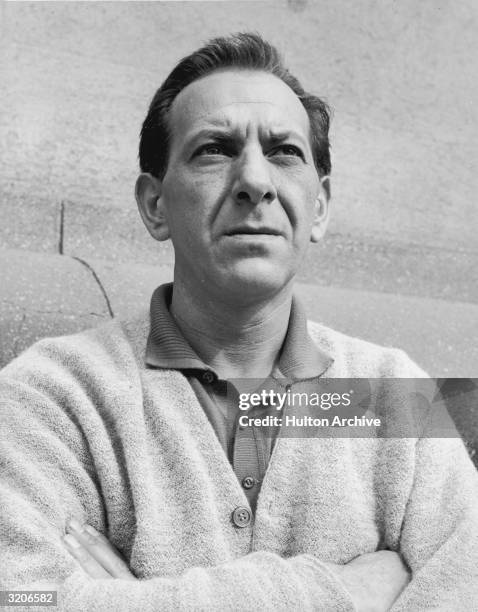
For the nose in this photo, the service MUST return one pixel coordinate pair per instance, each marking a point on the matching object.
(253, 183)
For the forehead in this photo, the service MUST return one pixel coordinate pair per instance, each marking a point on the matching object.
(237, 98)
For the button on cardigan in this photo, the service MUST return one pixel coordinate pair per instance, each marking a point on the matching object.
(88, 432)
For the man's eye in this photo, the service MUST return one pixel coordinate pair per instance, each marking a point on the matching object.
(211, 149)
(288, 150)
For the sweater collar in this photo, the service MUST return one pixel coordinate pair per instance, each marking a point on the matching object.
(300, 358)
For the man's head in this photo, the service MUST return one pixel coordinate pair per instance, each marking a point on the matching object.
(233, 170)
(241, 51)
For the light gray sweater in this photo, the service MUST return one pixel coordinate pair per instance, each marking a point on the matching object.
(88, 432)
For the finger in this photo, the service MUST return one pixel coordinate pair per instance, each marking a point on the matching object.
(100, 549)
(87, 561)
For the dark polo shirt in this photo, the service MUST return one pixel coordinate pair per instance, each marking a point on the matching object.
(249, 449)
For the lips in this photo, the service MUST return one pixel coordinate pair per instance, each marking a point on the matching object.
(247, 229)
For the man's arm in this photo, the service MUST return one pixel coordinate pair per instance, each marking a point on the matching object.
(49, 477)
(439, 540)
(374, 580)
(35, 502)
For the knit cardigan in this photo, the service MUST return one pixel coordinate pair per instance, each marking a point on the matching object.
(87, 431)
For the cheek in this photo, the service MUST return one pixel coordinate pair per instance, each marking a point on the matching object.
(195, 197)
(311, 187)
(189, 209)
(299, 197)
(181, 200)
(184, 186)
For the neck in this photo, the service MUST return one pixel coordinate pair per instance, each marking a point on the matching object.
(237, 340)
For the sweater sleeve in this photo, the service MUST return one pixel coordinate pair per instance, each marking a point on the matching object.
(48, 476)
(439, 530)
(260, 580)
(439, 539)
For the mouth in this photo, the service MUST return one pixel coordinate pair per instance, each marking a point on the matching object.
(246, 230)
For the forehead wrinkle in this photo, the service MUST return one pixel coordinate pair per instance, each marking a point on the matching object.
(273, 128)
(227, 121)
(208, 104)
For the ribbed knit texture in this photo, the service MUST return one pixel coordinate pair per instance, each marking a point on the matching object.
(88, 432)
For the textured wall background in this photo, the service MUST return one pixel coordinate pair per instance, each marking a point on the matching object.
(76, 81)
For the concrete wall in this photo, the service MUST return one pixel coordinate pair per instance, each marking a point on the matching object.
(77, 78)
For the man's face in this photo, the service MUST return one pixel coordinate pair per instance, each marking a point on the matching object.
(241, 189)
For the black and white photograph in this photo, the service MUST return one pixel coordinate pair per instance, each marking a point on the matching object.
(239, 306)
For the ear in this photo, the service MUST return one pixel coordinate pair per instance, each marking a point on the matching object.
(321, 213)
(151, 206)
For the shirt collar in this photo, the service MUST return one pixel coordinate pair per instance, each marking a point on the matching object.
(300, 357)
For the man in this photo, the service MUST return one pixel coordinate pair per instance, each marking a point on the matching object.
(126, 439)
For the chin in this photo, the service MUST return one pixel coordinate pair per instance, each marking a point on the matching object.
(254, 279)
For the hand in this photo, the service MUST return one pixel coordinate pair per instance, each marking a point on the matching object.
(374, 580)
(94, 553)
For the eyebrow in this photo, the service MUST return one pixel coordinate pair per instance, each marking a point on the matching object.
(279, 136)
(212, 134)
(273, 136)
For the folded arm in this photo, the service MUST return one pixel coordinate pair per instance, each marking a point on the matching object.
(48, 477)
(374, 580)
(439, 539)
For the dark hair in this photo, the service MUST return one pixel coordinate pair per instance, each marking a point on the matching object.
(243, 50)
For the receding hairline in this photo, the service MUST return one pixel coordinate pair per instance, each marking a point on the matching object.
(173, 108)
